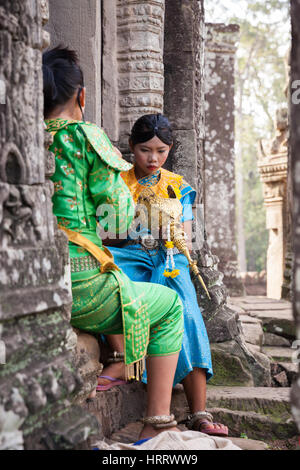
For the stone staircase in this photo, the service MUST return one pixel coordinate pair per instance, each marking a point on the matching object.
(261, 414)
(269, 328)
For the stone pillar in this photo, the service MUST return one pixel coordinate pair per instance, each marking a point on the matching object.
(295, 171)
(140, 28)
(37, 376)
(184, 68)
(219, 161)
(273, 165)
(77, 24)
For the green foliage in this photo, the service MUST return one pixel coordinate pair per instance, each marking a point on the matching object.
(243, 435)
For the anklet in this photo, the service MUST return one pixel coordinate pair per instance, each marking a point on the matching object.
(159, 422)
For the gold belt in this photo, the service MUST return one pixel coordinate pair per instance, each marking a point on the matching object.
(84, 263)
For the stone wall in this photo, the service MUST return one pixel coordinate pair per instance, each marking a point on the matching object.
(37, 379)
(219, 161)
(77, 24)
(295, 170)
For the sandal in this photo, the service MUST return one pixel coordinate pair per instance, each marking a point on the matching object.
(202, 421)
(113, 383)
(114, 357)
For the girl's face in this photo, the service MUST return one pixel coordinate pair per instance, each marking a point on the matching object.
(150, 156)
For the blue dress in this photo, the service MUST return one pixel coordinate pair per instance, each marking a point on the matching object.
(144, 265)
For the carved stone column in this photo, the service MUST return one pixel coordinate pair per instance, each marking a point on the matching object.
(273, 166)
(219, 162)
(38, 378)
(140, 27)
(295, 171)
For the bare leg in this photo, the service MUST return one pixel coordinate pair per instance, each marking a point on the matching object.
(160, 373)
(117, 369)
(195, 389)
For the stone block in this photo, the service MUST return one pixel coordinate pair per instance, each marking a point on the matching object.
(87, 357)
(221, 327)
(230, 365)
(253, 333)
(281, 354)
(270, 339)
(117, 407)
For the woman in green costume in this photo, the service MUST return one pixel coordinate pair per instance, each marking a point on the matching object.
(87, 175)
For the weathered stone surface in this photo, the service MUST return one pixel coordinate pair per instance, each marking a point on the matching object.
(255, 283)
(86, 360)
(222, 328)
(253, 333)
(279, 354)
(140, 27)
(129, 401)
(249, 319)
(77, 24)
(219, 202)
(38, 377)
(273, 168)
(295, 182)
(275, 315)
(131, 432)
(250, 410)
(254, 425)
(270, 339)
(229, 365)
(263, 400)
(248, 444)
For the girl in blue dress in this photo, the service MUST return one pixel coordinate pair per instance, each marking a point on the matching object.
(144, 260)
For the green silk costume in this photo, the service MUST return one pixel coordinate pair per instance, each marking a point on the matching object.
(87, 175)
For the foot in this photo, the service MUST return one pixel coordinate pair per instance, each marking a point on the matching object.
(149, 431)
(115, 370)
(212, 429)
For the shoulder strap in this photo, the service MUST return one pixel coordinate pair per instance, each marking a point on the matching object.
(103, 147)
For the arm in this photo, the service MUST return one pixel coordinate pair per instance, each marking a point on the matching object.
(187, 227)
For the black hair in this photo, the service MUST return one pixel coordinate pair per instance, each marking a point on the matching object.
(62, 77)
(150, 125)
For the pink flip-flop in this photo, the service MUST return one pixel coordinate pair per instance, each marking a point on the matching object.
(113, 383)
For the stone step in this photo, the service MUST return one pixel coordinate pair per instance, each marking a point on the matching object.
(116, 407)
(255, 411)
(263, 400)
(130, 433)
(269, 339)
(280, 322)
(276, 315)
(257, 299)
(250, 410)
(279, 354)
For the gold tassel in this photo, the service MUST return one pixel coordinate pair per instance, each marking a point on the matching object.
(135, 371)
